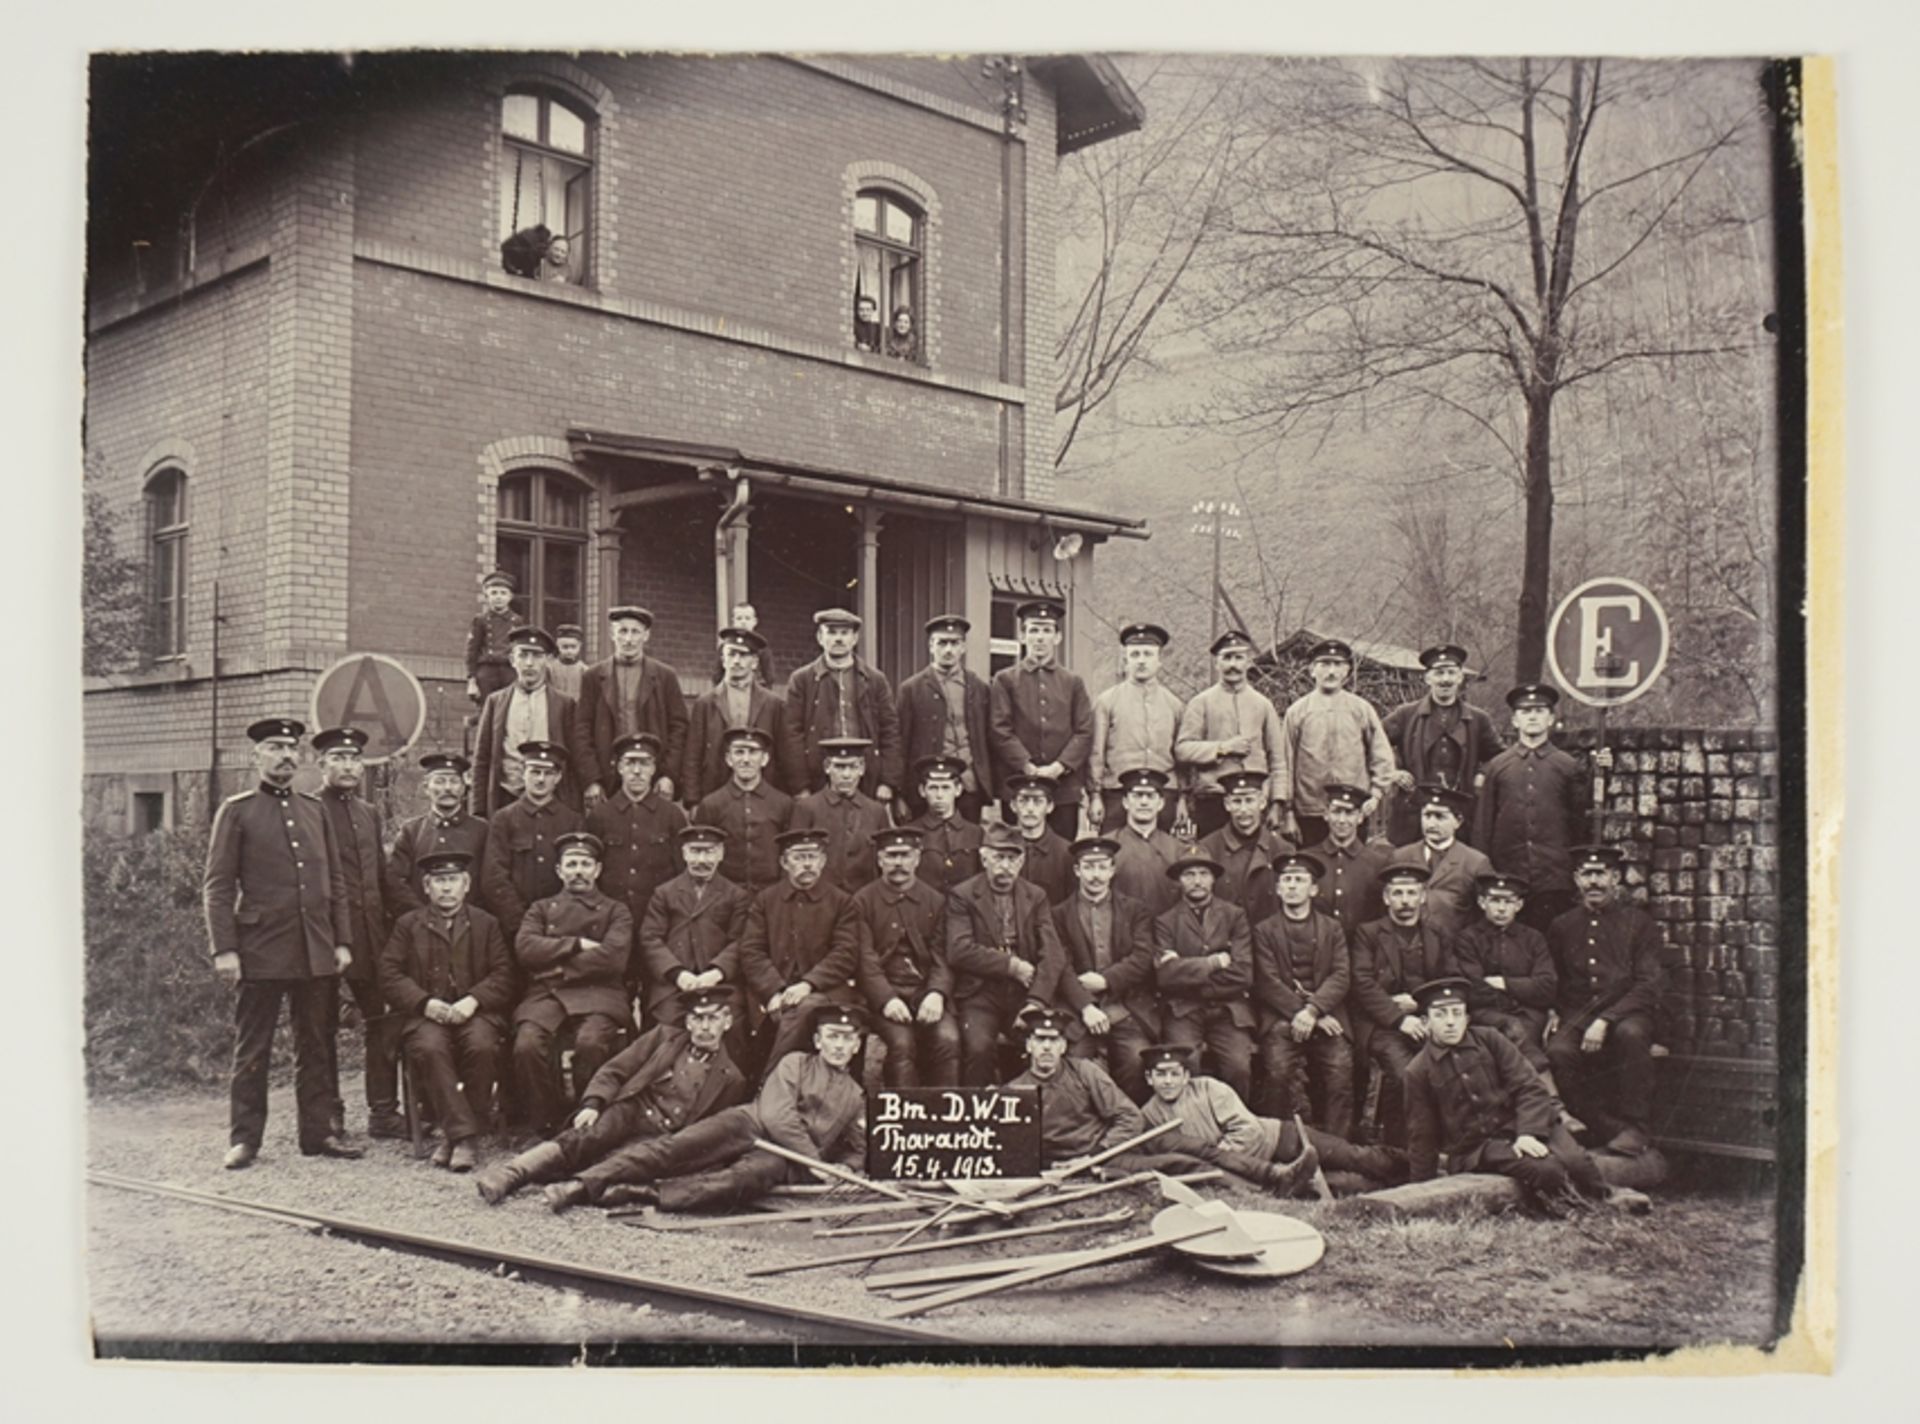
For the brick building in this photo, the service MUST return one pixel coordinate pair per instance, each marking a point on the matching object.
(360, 329)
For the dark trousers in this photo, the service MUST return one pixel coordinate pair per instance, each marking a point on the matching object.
(1229, 1046)
(1565, 1167)
(619, 1125)
(723, 1141)
(1612, 1089)
(1118, 1051)
(983, 1019)
(1523, 1028)
(491, 677)
(382, 1034)
(256, 1013)
(1392, 1051)
(1299, 1074)
(1113, 810)
(541, 1093)
(920, 1053)
(455, 1066)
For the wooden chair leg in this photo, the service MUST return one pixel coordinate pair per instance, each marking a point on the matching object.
(410, 1105)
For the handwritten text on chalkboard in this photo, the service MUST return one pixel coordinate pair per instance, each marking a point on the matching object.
(940, 1134)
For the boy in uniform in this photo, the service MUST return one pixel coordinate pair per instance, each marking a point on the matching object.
(489, 663)
(949, 844)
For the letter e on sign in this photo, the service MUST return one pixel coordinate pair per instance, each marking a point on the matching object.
(373, 692)
(1609, 642)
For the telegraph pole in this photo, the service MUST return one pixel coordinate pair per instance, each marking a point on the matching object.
(1216, 513)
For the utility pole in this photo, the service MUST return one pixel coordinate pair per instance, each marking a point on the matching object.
(1216, 513)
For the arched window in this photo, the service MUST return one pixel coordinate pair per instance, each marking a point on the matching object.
(166, 507)
(546, 174)
(889, 236)
(540, 537)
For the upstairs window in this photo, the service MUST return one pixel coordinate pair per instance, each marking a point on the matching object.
(166, 504)
(546, 172)
(888, 236)
(540, 537)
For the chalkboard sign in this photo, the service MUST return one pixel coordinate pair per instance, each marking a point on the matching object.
(944, 1134)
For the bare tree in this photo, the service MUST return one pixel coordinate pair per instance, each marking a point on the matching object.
(1472, 239)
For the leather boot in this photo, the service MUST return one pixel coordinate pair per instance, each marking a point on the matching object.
(501, 1180)
(1284, 1179)
(561, 1195)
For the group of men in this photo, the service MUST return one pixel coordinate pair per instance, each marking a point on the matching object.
(760, 879)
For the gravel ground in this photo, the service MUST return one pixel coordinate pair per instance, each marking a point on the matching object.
(1698, 1271)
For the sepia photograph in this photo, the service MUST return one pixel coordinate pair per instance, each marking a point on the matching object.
(1086, 707)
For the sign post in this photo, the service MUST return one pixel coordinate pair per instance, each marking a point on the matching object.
(1608, 643)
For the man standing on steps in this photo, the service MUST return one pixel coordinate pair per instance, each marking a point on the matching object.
(278, 925)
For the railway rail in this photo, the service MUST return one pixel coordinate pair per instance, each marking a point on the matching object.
(799, 1324)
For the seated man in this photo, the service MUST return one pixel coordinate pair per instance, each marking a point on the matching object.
(446, 972)
(690, 934)
(949, 844)
(848, 815)
(1082, 1110)
(1106, 976)
(1391, 956)
(1607, 954)
(810, 1104)
(1203, 963)
(572, 951)
(1473, 1099)
(1279, 1155)
(670, 1077)
(1301, 974)
(1000, 936)
(1508, 969)
(903, 966)
(1247, 847)
(801, 939)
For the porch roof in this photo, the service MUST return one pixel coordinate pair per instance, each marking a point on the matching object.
(710, 460)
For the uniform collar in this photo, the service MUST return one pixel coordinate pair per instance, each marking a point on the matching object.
(455, 819)
(282, 792)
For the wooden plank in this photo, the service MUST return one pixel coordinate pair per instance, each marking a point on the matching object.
(1049, 1228)
(651, 1218)
(962, 1271)
(1104, 1255)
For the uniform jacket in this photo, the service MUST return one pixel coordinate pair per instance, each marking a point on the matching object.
(704, 768)
(1276, 989)
(487, 638)
(751, 821)
(556, 966)
(521, 866)
(1131, 987)
(976, 949)
(272, 888)
(1349, 891)
(648, 1058)
(1461, 1098)
(949, 851)
(428, 834)
(370, 912)
(922, 708)
(795, 934)
(1532, 811)
(851, 823)
(1248, 860)
(1181, 939)
(1133, 729)
(661, 708)
(1083, 1111)
(1213, 1119)
(1517, 954)
(807, 1107)
(903, 943)
(1049, 864)
(1383, 967)
(1331, 739)
(1412, 728)
(1038, 716)
(1452, 899)
(1140, 867)
(685, 929)
(1608, 963)
(642, 852)
(489, 750)
(811, 718)
(418, 962)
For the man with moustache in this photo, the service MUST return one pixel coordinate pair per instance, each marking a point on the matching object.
(526, 710)
(851, 819)
(279, 928)
(903, 966)
(801, 940)
(1136, 725)
(640, 828)
(943, 714)
(1230, 726)
(1000, 937)
(839, 695)
(1392, 956)
(1203, 964)
(1105, 975)
(690, 935)
(738, 699)
(625, 695)
(1041, 718)
(446, 825)
(1440, 739)
(1453, 867)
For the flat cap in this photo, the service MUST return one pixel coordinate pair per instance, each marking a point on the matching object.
(500, 577)
(836, 618)
(1000, 836)
(570, 630)
(340, 739)
(579, 840)
(629, 613)
(276, 727)
(445, 862)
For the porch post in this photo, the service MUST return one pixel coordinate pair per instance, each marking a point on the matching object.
(869, 609)
(606, 542)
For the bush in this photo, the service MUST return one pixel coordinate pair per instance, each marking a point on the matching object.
(155, 1012)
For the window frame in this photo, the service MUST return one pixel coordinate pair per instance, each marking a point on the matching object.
(530, 601)
(166, 616)
(889, 197)
(514, 148)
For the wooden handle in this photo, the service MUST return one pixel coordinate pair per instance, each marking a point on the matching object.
(1132, 1142)
(1100, 1257)
(882, 1253)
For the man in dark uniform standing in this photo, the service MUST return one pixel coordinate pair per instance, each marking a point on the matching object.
(639, 825)
(903, 966)
(1349, 891)
(446, 825)
(1041, 718)
(449, 975)
(489, 665)
(850, 817)
(1607, 953)
(1440, 739)
(522, 856)
(572, 951)
(278, 927)
(943, 713)
(751, 813)
(360, 843)
(949, 844)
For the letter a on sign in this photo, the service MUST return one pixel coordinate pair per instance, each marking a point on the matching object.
(1610, 641)
(376, 694)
